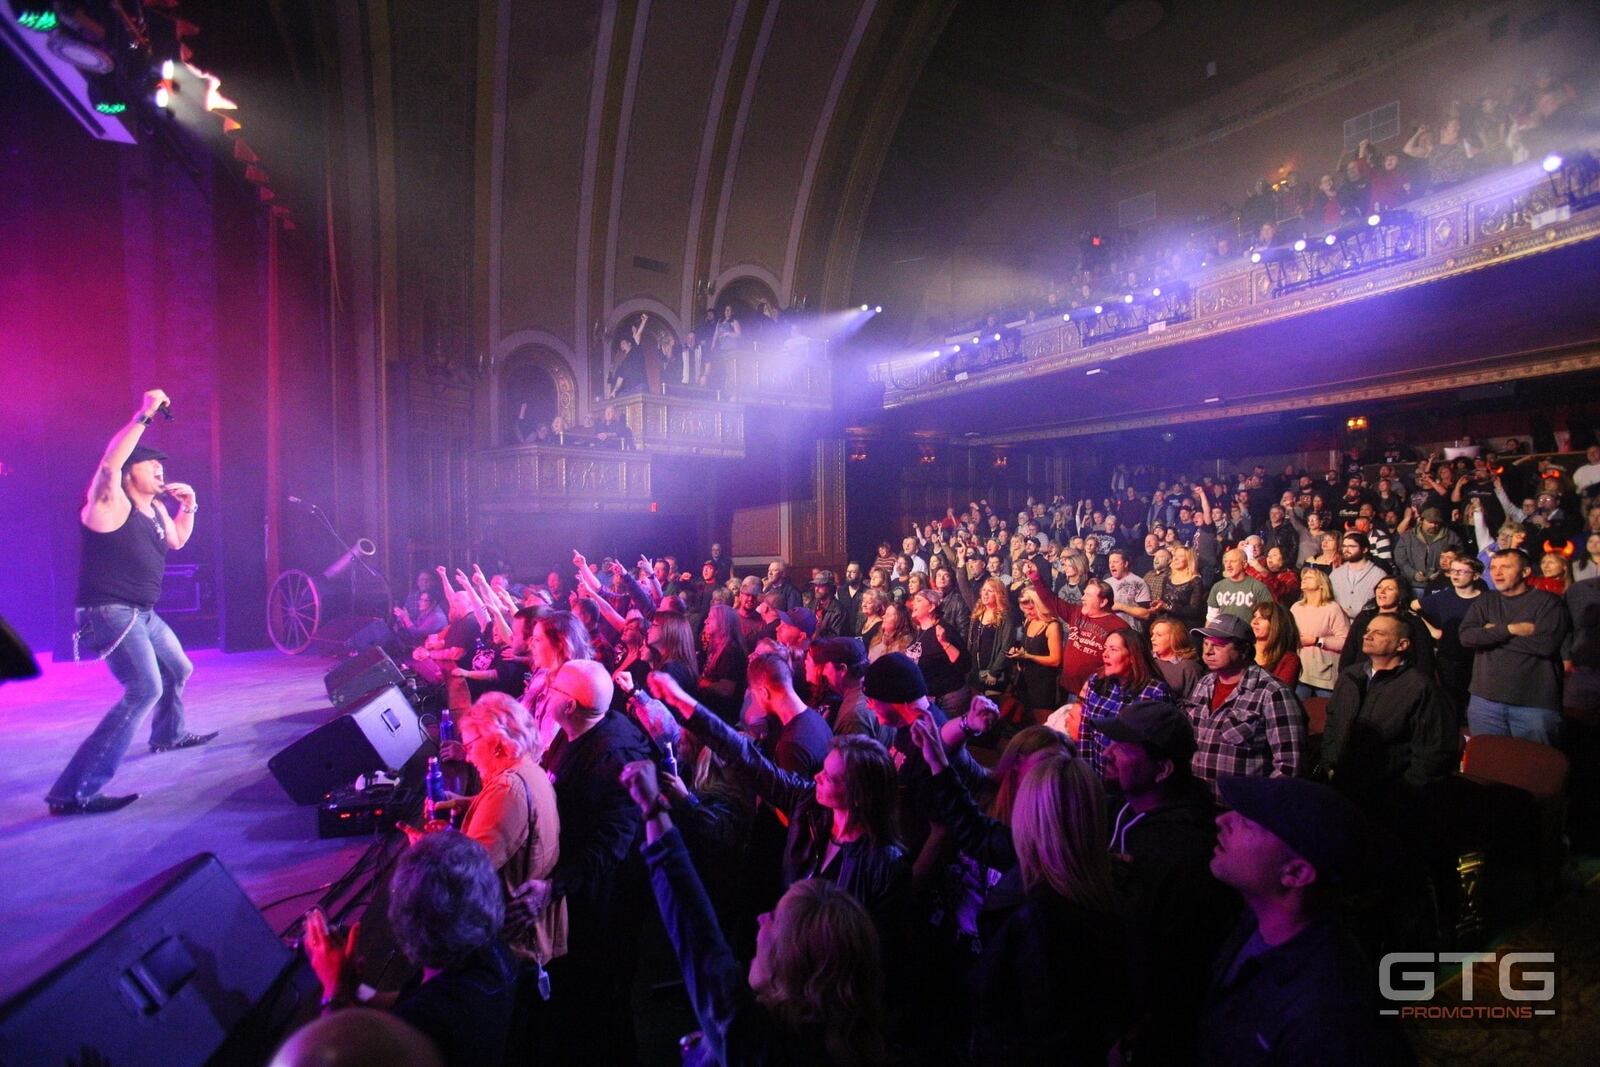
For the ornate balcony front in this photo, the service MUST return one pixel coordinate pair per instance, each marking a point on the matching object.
(534, 478)
(684, 425)
(1434, 242)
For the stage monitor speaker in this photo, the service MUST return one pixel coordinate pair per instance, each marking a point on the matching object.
(360, 675)
(188, 972)
(381, 730)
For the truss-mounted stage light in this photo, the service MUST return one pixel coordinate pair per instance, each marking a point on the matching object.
(1574, 180)
(878, 310)
(1099, 309)
(105, 94)
(39, 18)
(1374, 219)
(1255, 257)
(87, 57)
(1127, 298)
(1331, 240)
(864, 307)
(1066, 317)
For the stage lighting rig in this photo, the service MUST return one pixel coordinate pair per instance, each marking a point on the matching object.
(102, 59)
(1574, 179)
(1143, 311)
(1379, 239)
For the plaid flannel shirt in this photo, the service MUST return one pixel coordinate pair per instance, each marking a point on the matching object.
(1098, 707)
(1260, 730)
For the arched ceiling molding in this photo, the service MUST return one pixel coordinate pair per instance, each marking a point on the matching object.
(551, 343)
(749, 270)
(603, 43)
(497, 158)
(831, 246)
(708, 141)
(619, 164)
(819, 138)
(746, 97)
(629, 308)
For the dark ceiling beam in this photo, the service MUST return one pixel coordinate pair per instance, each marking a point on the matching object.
(903, 36)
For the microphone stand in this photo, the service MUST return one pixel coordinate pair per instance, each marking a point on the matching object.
(357, 558)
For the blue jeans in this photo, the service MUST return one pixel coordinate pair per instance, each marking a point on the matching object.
(152, 667)
(1513, 720)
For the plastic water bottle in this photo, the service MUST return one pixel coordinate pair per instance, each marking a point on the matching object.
(447, 727)
(433, 784)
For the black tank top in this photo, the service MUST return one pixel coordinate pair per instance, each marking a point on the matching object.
(126, 565)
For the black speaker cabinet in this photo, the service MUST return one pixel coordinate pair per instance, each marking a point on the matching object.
(378, 731)
(186, 968)
(360, 675)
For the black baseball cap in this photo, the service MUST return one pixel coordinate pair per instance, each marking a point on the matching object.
(802, 619)
(1321, 825)
(1159, 725)
(140, 454)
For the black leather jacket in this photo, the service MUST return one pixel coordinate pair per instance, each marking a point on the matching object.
(876, 874)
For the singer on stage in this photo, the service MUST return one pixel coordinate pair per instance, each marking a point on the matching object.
(126, 535)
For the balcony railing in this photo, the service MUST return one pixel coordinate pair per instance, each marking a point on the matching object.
(684, 425)
(1500, 217)
(531, 478)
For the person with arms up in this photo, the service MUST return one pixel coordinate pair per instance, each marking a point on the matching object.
(126, 534)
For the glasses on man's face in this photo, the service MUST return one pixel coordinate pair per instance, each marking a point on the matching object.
(551, 700)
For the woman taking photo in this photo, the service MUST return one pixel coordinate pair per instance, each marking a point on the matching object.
(1038, 655)
(1277, 641)
(1175, 655)
(989, 632)
(1324, 629)
(813, 992)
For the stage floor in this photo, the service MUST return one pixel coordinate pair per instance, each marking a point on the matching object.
(218, 798)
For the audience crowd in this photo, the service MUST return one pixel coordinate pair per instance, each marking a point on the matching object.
(1022, 788)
